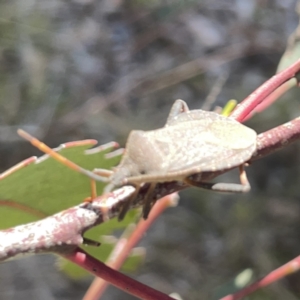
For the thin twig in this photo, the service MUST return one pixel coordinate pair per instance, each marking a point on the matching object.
(266, 89)
(283, 271)
(123, 282)
(272, 98)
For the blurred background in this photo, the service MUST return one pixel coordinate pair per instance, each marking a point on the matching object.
(79, 69)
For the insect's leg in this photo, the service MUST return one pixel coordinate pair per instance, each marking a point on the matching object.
(178, 107)
(244, 187)
(44, 148)
(149, 201)
(89, 242)
(101, 172)
(127, 204)
(243, 178)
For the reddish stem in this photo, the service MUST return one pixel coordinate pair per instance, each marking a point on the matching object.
(277, 138)
(287, 269)
(123, 282)
(271, 98)
(260, 94)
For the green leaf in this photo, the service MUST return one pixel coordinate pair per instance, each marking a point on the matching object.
(46, 187)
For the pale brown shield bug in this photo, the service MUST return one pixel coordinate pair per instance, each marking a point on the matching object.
(190, 143)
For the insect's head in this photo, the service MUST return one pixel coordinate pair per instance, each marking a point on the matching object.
(136, 160)
(121, 173)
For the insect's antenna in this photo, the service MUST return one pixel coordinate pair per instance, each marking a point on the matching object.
(44, 148)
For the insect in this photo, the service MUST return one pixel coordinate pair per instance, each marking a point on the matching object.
(190, 143)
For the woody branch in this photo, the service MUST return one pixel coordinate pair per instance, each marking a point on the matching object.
(64, 230)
